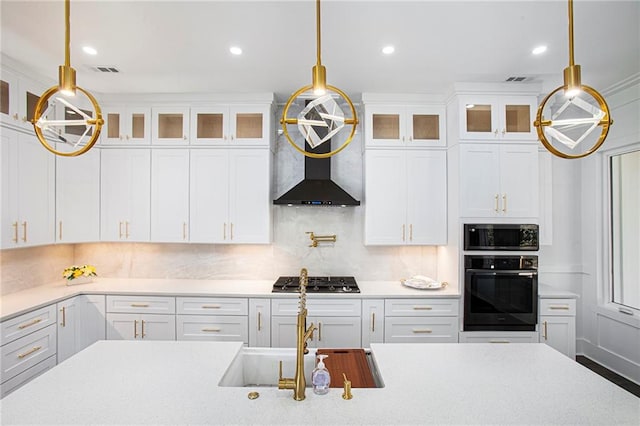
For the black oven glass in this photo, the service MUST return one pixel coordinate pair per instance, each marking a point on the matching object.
(490, 236)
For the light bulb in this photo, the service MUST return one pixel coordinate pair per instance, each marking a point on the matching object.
(572, 92)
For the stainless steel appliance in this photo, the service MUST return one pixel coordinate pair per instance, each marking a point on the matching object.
(500, 293)
(317, 285)
(504, 236)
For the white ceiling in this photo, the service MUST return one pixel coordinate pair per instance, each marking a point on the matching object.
(182, 46)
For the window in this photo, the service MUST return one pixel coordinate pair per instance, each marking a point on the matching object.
(625, 228)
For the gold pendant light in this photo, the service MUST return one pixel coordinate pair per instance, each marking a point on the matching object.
(574, 112)
(67, 88)
(321, 118)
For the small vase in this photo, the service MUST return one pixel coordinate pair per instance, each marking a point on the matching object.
(80, 280)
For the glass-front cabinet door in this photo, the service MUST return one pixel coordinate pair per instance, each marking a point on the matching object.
(170, 125)
(209, 125)
(518, 114)
(249, 124)
(425, 127)
(126, 125)
(411, 126)
(497, 117)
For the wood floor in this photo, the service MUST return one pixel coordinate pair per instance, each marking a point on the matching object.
(609, 375)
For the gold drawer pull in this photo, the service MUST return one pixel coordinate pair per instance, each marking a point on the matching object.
(211, 330)
(559, 307)
(29, 324)
(211, 306)
(30, 351)
(423, 330)
(139, 305)
(499, 341)
(422, 308)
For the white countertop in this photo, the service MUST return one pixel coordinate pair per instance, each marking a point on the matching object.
(127, 382)
(16, 303)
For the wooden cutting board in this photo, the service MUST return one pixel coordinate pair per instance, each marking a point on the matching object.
(352, 362)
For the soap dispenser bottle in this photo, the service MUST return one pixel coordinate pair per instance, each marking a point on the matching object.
(320, 377)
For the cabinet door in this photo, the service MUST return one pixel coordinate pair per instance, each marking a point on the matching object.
(283, 331)
(479, 117)
(560, 333)
(372, 322)
(385, 126)
(67, 323)
(9, 186)
(517, 116)
(126, 126)
(219, 328)
(125, 183)
(91, 326)
(519, 180)
(337, 332)
(260, 322)
(385, 198)
(209, 195)
(426, 197)
(122, 326)
(209, 125)
(169, 195)
(170, 125)
(479, 180)
(29, 92)
(9, 97)
(426, 127)
(249, 196)
(249, 125)
(141, 327)
(36, 192)
(78, 198)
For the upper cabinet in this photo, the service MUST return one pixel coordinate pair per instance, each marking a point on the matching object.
(170, 125)
(231, 125)
(405, 126)
(18, 98)
(126, 125)
(504, 117)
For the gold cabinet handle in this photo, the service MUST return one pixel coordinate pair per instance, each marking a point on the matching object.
(495, 133)
(211, 330)
(559, 307)
(411, 232)
(120, 230)
(231, 231)
(15, 116)
(139, 305)
(29, 352)
(24, 232)
(259, 321)
(496, 200)
(422, 308)
(319, 331)
(60, 230)
(15, 232)
(499, 341)
(373, 322)
(211, 306)
(422, 330)
(184, 231)
(224, 231)
(135, 329)
(504, 203)
(403, 227)
(544, 330)
(29, 324)
(126, 230)
(504, 131)
(64, 317)
(142, 330)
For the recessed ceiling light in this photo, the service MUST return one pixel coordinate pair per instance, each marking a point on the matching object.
(89, 50)
(538, 50)
(235, 50)
(388, 50)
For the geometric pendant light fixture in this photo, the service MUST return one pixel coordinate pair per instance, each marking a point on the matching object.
(573, 120)
(82, 127)
(321, 116)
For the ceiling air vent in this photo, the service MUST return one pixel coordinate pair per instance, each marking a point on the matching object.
(105, 69)
(516, 79)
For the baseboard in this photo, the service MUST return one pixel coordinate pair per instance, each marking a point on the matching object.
(619, 365)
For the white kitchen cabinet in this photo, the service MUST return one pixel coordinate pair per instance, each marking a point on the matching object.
(260, 322)
(234, 125)
(126, 125)
(230, 196)
(499, 180)
(81, 322)
(78, 198)
(18, 98)
(125, 186)
(141, 327)
(169, 195)
(557, 325)
(212, 318)
(497, 117)
(498, 337)
(421, 320)
(405, 197)
(405, 126)
(28, 191)
(21, 354)
(9, 98)
(372, 321)
(170, 125)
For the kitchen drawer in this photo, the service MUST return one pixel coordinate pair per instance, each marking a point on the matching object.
(141, 304)
(420, 307)
(213, 327)
(24, 353)
(557, 307)
(212, 306)
(498, 337)
(18, 327)
(318, 307)
(421, 330)
(26, 376)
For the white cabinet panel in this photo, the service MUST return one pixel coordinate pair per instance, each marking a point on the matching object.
(220, 328)
(27, 351)
(209, 190)
(372, 321)
(405, 126)
(260, 322)
(421, 307)
(212, 306)
(26, 376)
(81, 322)
(421, 329)
(141, 304)
(170, 125)
(126, 125)
(24, 324)
(497, 117)
(498, 337)
(336, 332)
(169, 195)
(141, 327)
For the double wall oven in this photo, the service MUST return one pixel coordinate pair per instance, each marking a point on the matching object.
(500, 277)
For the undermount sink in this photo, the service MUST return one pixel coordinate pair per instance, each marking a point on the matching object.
(258, 367)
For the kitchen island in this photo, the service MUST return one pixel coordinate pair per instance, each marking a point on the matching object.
(128, 382)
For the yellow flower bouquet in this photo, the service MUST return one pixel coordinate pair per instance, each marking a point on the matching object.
(79, 274)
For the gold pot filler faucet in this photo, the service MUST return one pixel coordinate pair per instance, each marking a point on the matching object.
(298, 383)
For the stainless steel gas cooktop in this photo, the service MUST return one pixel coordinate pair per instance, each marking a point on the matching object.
(317, 285)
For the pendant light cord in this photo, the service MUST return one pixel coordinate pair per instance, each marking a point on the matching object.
(571, 59)
(67, 34)
(318, 32)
